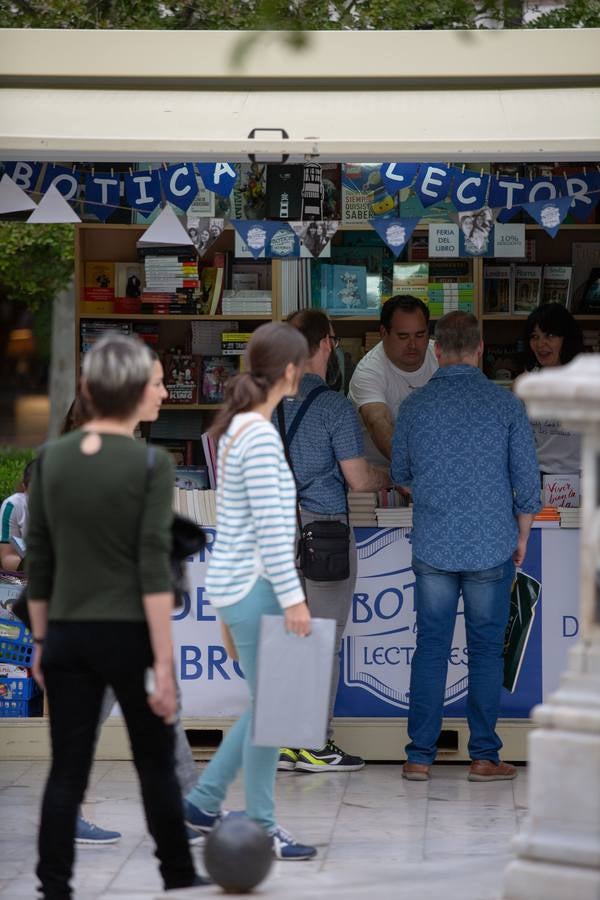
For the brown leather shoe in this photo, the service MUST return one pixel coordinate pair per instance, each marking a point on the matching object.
(486, 770)
(415, 771)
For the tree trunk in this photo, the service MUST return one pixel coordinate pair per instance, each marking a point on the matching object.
(63, 379)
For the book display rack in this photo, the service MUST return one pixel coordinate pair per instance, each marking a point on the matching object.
(197, 312)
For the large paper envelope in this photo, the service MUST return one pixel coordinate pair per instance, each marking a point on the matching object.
(293, 684)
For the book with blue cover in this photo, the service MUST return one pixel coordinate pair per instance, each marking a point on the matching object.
(344, 290)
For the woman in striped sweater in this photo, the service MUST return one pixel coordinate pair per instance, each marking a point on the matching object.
(252, 570)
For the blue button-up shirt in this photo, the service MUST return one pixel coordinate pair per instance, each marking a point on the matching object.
(329, 433)
(466, 448)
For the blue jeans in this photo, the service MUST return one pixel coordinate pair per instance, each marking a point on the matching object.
(237, 750)
(486, 598)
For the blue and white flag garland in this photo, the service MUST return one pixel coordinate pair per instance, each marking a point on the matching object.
(395, 233)
(398, 176)
(179, 184)
(142, 190)
(469, 190)
(430, 184)
(102, 192)
(433, 183)
(218, 177)
(24, 174)
(275, 239)
(549, 213)
(65, 180)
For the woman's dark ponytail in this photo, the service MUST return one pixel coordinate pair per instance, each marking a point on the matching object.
(270, 350)
(241, 394)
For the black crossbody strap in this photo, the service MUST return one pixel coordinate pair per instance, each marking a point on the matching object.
(288, 436)
(307, 402)
(286, 450)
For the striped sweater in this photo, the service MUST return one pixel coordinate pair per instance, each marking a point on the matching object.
(256, 523)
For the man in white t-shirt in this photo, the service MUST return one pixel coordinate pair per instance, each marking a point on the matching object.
(387, 374)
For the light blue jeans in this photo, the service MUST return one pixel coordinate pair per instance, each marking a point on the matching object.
(486, 598)
(237, 750)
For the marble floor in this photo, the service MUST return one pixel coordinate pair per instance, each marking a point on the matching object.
(378, 836)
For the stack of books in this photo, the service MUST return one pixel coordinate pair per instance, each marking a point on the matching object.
(171, 284)
(361, 505)
(92, 330)
(209, 448)
(391, 498)
(445, 297)
(569, 518)
(199, 506)
(251, 302)
(547, 514)
(206, 336)
(394, 517)
(296, 290)
(234, 343)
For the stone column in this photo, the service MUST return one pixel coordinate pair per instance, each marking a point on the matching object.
(558, 846)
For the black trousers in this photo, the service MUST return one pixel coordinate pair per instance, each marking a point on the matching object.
(80, 659)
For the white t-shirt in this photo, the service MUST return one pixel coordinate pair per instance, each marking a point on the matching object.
(558, 450)
(377, 380)
(13, 518)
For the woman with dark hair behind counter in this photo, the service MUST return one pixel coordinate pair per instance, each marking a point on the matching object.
(553, 338)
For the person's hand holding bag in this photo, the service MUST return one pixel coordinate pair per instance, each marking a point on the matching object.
(297, 619)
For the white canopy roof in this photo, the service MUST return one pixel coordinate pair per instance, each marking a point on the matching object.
(118, 95)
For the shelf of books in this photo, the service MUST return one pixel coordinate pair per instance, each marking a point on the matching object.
(196, 312)
(564, 269)
(197, 304)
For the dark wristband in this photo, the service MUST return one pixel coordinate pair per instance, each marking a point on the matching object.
(39, 640)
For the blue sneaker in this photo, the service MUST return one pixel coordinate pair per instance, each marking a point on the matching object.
(198, 820)
(193, 837)
(285, 847)
(88, 833)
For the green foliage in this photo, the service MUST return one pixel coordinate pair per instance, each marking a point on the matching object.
(36, 261)
(12, 463)
(288, 16)
(575, 14)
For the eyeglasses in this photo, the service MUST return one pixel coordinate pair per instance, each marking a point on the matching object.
(334, 340)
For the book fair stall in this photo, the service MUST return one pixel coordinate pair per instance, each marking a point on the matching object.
(193, 226)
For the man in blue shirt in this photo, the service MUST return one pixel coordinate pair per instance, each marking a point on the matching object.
(327, 457)
(466, 449)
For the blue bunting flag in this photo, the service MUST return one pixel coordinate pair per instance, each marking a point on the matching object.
(179, 184)
(395, 233)
(549, 213)
(102, 194)
(142, 190)
(218, 177)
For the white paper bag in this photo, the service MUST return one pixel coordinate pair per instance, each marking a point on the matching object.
(293, 684)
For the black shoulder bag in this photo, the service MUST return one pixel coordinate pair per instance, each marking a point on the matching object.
(323, 551)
